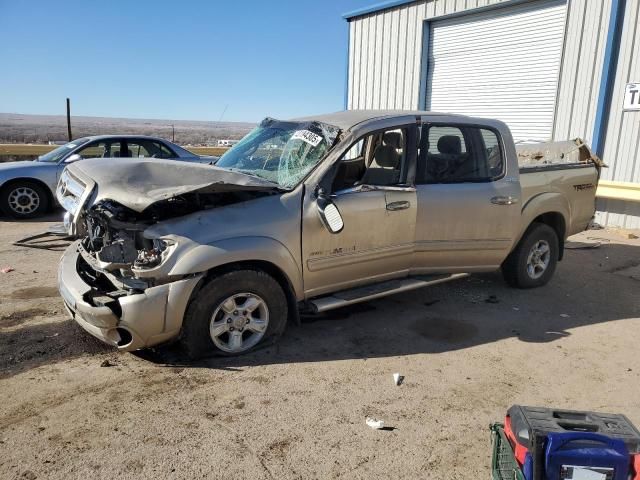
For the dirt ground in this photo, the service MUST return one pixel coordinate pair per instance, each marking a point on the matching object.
(297, 410)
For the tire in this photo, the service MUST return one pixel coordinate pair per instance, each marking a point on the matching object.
(224, 298)
(526, 266)
(24, 199)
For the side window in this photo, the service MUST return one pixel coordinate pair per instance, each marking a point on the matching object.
(149, 149)
(161, 151)
(137, 148)
(458, 154)
(101, 149)
(493, 153)
(376, 159)
(93, 150)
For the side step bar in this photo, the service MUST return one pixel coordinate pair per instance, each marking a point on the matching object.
(378, 290)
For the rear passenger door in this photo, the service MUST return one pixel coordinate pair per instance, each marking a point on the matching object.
(468, 203)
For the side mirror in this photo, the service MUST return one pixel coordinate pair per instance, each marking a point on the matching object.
(329, 213)
(73, 158)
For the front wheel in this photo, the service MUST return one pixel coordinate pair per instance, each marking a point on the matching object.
(533, 261)
(233, 314)
(24, 199)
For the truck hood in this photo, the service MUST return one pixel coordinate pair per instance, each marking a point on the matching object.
(138, 183)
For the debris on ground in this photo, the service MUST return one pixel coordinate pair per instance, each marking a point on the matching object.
(431, 302)
(374, 423)
(565, 315)
(626, 234)
(491, 299)
(108, 363)
(581, 245)
(6, 269)
(398, 379)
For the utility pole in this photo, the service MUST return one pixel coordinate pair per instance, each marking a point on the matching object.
(173, 133)
(69, 119)
(223, 112)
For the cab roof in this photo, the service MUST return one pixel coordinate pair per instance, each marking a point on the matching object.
(347, 119)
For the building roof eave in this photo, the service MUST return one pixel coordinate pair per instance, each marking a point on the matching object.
(375, 8)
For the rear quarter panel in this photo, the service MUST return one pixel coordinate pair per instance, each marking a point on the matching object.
(569, 191)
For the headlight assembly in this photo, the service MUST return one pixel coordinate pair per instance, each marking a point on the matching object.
(154, 256)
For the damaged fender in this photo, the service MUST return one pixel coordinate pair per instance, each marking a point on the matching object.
(263, 249)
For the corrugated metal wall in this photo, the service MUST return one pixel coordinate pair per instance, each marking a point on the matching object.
(385, 61)
(385, 58)
(622, 144)
(385, 50)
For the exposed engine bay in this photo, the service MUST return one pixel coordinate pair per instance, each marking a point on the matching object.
(115, 233)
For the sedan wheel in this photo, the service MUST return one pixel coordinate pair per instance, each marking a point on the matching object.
(239, 323)
(23, 200)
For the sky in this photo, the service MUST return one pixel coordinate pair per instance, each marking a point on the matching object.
(180, 60)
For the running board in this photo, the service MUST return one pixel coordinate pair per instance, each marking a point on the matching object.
(378, 290)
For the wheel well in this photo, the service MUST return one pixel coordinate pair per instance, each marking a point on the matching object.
(556, 221)
(266, 267)
(40, 183)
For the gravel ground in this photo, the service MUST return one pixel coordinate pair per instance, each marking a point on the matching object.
(73, 408)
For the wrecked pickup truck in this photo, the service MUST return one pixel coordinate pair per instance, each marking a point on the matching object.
(312, 214)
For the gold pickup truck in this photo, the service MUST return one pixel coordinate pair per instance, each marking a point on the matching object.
(312, 214)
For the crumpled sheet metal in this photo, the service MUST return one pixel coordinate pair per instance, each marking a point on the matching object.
(556, 153)
(139, 183)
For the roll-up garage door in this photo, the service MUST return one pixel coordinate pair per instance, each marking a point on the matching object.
(503, 63)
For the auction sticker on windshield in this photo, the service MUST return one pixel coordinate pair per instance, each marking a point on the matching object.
(307, 136)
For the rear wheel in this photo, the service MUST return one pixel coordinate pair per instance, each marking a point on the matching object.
(534, 259)
(234, 314)
(24, 200)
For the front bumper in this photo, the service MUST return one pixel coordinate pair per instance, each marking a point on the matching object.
(139, 320)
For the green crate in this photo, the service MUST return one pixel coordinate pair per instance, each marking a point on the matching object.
(503, 462)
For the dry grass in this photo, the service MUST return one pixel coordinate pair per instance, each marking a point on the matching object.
(20, 149)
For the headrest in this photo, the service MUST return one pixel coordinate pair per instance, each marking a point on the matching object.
(450, 145)
(393, 139)
(386, 156)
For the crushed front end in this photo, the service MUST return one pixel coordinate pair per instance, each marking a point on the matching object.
(113, 282)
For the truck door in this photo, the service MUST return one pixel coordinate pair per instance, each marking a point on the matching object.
(378, 210)
(468, 201)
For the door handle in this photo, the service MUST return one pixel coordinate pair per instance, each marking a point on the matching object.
(503, 200)
(402, 205)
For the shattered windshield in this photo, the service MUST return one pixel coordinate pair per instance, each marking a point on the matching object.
(280, 152)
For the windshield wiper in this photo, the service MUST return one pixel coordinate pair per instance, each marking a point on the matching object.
(251, 174)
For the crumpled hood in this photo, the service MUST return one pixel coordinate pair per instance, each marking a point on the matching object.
(138, 183)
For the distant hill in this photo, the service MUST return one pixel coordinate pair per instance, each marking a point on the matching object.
(19, 128)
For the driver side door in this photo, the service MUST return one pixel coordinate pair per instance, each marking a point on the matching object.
(378, 207)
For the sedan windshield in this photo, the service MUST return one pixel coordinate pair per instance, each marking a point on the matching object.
(281, 152)
(54, 156)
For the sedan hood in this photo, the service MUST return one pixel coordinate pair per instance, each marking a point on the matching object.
(4, 166)
(138, 183)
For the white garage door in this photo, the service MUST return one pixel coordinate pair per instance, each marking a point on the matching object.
(503, 64)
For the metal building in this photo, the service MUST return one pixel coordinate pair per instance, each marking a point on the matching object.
(551, 69)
